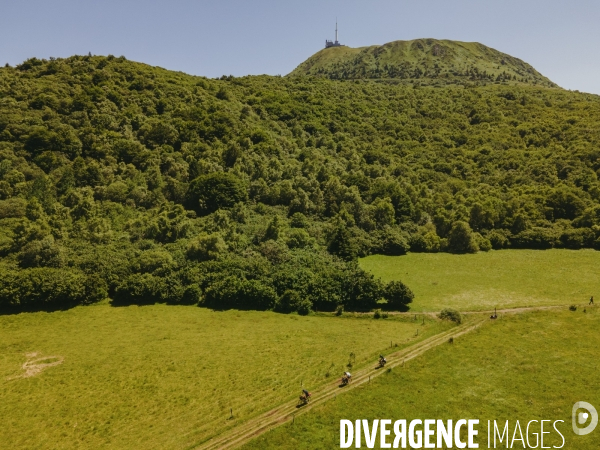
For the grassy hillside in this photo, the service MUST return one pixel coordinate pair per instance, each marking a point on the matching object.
(528, 367)
(160, 377)
(422, 61)
(123, 180)
(498, 279)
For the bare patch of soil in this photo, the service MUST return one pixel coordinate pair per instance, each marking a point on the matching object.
(36, 364)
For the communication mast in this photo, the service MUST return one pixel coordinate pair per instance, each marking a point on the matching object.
(335, 43)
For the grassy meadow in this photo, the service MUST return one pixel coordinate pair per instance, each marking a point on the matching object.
(524, 367)
(485, 280)
(166, 376)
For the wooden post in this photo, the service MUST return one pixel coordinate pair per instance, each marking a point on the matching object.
(231, 410)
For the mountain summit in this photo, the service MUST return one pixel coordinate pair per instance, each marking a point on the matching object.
(427, 61)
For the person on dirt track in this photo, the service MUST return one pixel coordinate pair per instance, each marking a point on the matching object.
(346, 377)
(304, 398)
(382, 360)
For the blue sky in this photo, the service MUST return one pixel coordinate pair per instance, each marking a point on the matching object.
(240, 37)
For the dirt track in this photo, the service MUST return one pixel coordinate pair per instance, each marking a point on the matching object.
(486, 311)
(241, 434)
(237, 436)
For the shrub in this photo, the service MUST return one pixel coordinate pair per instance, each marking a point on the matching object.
(377, 314)
(223, 94)
(117, 192)
(205, 247)
(432, 242)
(137, 289)
(483, 243)
(498, 239)
(418, 243)
(239, 293)
(393, 243)
(304, 307)
(152, 261)
(537, 238)
(428, 242)
(572, 308)
(450, 314)
(13, 207)
(577, 238)
(5, 190)
(169, 225)
(273, 230)
(146, 289)
(207, 193)
(192, 295)
(298, 220)
(41, 253)
(342, 244)
(288, 302)
(565, 203)
(339, 310)
(276, 252)
(461, 239)
(298, 238)
(360, 290)
(383, 212)
(41, 288)
(398, 295)
(95, 289)
(325, 289)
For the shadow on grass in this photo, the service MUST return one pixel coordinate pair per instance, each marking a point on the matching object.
(125, 303)
(13, 310)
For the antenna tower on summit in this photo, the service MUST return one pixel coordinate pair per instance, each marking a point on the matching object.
(335, 43)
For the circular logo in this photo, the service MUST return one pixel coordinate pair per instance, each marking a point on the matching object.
(582, 418)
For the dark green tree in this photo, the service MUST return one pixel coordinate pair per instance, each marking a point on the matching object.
(342, 244)
(207, 193)
(398, 295)
(461, 238)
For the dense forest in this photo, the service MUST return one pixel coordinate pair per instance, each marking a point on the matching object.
(132, 182)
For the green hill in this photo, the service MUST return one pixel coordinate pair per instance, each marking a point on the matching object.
(145, 185)
(427, 61)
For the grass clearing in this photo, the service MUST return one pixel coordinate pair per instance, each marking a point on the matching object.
(165, 376)
(483, 281)
(524, 367)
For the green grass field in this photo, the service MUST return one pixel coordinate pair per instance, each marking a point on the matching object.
(166, 377)
(483, 281)
(531, 366)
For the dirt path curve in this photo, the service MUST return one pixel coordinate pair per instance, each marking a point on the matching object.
(241, 434)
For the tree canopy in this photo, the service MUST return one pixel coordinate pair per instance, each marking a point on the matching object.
(158, 186)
